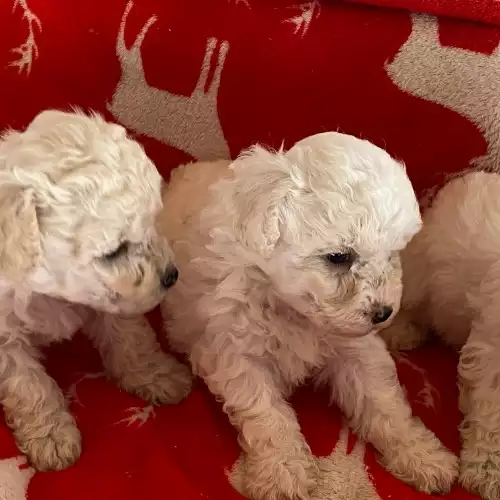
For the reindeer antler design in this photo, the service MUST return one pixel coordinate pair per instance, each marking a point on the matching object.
(302, 21)
(28, 49)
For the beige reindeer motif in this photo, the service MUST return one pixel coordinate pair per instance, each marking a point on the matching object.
(342, 475)
(138, 415)
(27, 52)
(302, 21)
(245, 3)
(464, 81)
(189, 123)
(428, 395)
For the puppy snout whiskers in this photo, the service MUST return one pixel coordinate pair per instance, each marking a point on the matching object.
(381, 314)
(169, 277)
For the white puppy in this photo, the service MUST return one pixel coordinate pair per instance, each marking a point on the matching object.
(78, 203)
(288, 263)
(452, 286)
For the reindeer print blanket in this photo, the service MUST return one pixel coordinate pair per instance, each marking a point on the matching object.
(202, 80)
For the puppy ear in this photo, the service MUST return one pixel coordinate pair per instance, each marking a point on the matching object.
(263, 191)
(260, 223)
(19, 233)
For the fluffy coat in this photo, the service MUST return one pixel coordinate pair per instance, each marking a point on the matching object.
(288, 263)
(451, 270)
(79, 247)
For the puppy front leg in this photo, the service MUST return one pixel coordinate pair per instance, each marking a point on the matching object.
(365, 385)
(34, 407)
(479, 377)
(278, 464)
(132, 356)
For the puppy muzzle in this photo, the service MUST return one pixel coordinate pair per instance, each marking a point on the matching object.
(381, 314)
(169, 277)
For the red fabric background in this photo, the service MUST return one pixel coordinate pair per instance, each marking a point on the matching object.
(276, 86)
(487, 11)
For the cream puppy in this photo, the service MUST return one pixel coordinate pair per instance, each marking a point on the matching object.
(78, 205)
(289, 262)
(451, 270)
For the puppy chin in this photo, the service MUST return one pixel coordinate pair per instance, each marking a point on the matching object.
(354, 333)
(133, 308)
(344, 330)
(359, 334)
(116, 305)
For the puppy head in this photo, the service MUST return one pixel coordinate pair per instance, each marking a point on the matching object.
(78, 208)
(326, 221)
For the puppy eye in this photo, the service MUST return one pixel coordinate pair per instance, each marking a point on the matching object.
(118, 252)
(339, 258)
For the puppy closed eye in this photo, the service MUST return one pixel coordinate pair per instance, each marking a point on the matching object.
(120, 251)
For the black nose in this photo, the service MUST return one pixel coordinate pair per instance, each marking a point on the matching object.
(170, 276)
(381, 314)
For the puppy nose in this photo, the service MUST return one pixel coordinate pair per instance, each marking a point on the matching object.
(170, 276)
(381, 314)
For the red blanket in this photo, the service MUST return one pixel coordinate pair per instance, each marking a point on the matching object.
(487, 11)
(202, 79)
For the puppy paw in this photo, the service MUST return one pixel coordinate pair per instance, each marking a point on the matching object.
(162, 381)
(423, 462)
(53, 446)
(480, 471)
(281, 475)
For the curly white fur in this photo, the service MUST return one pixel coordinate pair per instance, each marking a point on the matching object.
(78, 208)
(259, 307)
(452, 288)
